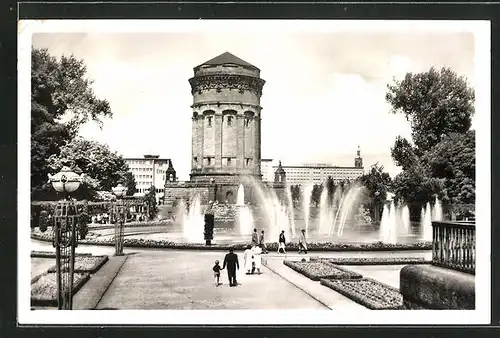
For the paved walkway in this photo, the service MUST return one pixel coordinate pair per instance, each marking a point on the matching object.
(184, 280)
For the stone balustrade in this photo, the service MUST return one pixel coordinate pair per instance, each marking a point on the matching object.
(454, 245)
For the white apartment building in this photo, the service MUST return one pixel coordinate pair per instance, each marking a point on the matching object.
(266, 169)
(313, 173)
(318, 173)
(148, 171)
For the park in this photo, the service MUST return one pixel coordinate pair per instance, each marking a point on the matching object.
(373, 242)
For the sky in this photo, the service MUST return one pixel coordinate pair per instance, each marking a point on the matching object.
(324, 93)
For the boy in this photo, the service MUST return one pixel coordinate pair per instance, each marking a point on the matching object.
(216, 269)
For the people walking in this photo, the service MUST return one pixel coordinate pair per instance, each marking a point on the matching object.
(216, 270)
(282, 242)
(262, 242)
(248, 259)
(231, 261)
(302, 242)
(255, 238)
(257, 259)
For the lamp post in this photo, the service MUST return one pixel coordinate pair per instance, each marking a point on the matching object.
(65, 239)
(120, 212)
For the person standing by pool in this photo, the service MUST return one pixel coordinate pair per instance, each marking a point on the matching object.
(282, 242)
(248, 259)
(302, 242)
(257, 259)
(262, 242)
(255, 238)
(231, 260)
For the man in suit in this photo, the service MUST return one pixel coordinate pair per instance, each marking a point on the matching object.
(231, 260)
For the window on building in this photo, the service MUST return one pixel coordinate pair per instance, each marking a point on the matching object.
(209, 121)
(247, 123)
(195, 159)
(229, 121)
(229, 161)
(248, 161)
(209, 161)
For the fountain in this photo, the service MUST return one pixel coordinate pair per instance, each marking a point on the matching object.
(192, 220)
(426, 223)
(325, 219)
(290, 209)
(240, 199)
(388, 230)
(347, 204)
(405, 218)
(306, 204)
(438, 211)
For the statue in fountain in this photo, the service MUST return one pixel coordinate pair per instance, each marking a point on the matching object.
(209, 224)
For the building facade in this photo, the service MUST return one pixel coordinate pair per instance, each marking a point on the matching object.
(315, 173)
(150, 170)
(266, 169)
(226, 133)
(225, 120)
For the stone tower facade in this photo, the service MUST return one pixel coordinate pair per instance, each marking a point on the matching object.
(226, 121)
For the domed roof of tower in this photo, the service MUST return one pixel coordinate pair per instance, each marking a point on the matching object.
(227, 59)
(170, 168)
(280, 169)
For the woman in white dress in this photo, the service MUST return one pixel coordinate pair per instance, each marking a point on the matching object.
(248, 257)
(257, 258)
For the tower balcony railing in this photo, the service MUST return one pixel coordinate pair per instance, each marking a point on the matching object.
(454, 245)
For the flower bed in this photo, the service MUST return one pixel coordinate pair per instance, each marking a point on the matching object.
(318, 270)
(44, 288)
(367, 292)
(89, 264)
(374, 261)
(51, 254)
(163, 244)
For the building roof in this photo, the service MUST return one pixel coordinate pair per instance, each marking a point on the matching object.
(227, 58)
(146, 158)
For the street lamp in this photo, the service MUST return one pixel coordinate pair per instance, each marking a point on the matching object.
(65, 240)
(120, 214)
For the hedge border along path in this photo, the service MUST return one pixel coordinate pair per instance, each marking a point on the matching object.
(374, 261)
(367, 292)
(51, 254)
(312, 270)
(44, 288)
(326, 247)
(81, 266)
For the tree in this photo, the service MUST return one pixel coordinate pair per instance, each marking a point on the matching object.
(316, 194)
(376, 183)
(404, 153)
(95, 160)
(436, 103)
(61, 101)
(330, 187)
(452, 163)
(129, 181)
(295, 192)
(150, 200)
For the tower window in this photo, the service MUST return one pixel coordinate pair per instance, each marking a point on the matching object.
(248, 161)
(229, 121)
(209, 121)
(247, 123)
(195, 159)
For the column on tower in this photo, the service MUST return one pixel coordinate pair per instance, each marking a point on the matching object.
(240, 139)
(218, 130)
(257, 141)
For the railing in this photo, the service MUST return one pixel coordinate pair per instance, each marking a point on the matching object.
(454, 245)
